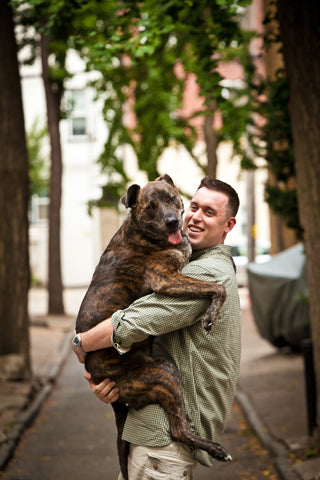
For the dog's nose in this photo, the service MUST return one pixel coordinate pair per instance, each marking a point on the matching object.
(172, 222)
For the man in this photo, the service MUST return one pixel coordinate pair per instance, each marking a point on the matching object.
(209, 365)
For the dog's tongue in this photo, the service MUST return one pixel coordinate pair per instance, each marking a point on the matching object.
(175, 238)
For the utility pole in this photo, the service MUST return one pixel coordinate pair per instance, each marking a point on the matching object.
(251, 212)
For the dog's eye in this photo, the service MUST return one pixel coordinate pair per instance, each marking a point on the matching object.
(173, 198)
(150, 206)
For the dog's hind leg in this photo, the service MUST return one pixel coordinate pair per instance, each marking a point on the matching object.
(176, 284)
(120, 412)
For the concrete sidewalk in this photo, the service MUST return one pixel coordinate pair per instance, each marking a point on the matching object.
(272, 396)
(50, 339)
(271, 388)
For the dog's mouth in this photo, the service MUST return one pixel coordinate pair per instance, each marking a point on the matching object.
(175, 237)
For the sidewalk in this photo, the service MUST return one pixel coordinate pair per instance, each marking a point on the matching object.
(50, 339)
(271, 388)
(271, 394)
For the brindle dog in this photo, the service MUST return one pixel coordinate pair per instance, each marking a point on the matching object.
(145, 255)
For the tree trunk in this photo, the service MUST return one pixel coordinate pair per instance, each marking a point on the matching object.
(299, 29)
(53, 90)
(282, 236)
(211, 140)
(14, 258)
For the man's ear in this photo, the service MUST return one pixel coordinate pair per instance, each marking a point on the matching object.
(131, 197)
(231, 223)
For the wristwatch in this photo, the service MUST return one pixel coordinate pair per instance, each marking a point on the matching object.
(77, 344)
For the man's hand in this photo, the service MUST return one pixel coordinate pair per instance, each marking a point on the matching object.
(106, 391)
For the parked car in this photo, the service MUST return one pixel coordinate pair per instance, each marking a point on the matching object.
(239, 254)
(279, 298)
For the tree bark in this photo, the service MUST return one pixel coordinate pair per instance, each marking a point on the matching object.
(282, 236)
(211, 140)
(53, 91)
(299, 29)
(14, 258)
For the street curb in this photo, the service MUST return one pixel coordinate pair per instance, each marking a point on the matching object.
(275, 448)
(26, 417)
(65, 350)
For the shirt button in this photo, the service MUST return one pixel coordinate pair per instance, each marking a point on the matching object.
(185, 473)
(155, 466)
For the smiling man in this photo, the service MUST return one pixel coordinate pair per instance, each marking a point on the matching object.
(210, 216)
(209, 365)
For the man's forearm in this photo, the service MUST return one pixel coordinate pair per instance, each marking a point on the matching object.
(97, 337)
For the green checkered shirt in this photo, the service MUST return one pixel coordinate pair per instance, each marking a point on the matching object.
(209, 365)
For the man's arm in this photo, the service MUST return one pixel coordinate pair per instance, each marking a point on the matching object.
(96, 338)
(152, 314)
(157, 314)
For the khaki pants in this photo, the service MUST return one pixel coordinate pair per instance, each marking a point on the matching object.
(172, 462)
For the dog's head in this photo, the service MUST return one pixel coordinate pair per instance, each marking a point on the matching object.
(157, 209)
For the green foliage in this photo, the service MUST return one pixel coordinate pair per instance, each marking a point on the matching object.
(158, 97)
(136, 68)
(277, 131)
(136, 47)
(38, 163)
(51, 19)
(279, 154)
(239, 107)
(283, 201)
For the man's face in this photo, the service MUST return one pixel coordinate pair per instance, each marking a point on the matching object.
(207, 221)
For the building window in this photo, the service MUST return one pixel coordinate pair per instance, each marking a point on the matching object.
(79, 126)
(39, 211)
(78, 114)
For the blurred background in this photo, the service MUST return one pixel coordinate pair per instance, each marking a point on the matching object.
(98, 95)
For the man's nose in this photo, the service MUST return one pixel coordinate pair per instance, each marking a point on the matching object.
(197, 215)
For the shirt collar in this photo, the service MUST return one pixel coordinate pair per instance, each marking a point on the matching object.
(221, 248)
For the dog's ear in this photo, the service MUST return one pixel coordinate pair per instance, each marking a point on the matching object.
(167, 178)
(130, 198)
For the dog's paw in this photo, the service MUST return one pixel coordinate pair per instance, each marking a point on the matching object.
(207, 324)
(221, 454)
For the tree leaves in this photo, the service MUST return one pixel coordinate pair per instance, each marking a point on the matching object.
(136, 47)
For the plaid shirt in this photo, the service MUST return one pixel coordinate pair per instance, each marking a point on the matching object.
(209, 365)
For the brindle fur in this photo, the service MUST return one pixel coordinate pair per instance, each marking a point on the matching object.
(138, 260)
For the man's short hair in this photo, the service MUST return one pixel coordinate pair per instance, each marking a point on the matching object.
(219, 186)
